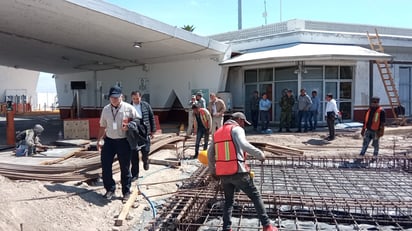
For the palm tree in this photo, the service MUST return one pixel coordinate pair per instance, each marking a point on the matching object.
(190, 28)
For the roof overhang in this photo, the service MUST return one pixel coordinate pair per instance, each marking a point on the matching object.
(307, 52)
(63, 36)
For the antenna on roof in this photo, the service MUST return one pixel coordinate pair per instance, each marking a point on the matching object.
(265, 13)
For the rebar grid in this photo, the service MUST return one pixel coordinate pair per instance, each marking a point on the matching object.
(302, 193)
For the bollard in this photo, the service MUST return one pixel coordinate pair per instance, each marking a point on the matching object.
(11, 134)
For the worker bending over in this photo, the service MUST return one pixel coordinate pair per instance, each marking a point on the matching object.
(28, 141)
(227, 160)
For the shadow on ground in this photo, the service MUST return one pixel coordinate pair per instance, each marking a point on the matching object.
(86, 194)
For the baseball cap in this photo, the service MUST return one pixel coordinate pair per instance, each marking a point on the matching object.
(240, 115)
(115, 91)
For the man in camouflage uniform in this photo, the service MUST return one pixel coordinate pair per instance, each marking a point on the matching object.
(286, 104)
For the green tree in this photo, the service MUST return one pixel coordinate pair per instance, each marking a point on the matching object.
(190, 28)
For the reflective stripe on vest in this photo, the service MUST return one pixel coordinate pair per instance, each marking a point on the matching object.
(203, 117)
(376, 119)
(225, 151)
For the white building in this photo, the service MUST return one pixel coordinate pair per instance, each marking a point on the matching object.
(18, 86)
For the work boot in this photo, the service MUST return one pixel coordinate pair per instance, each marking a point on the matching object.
(126, 197)
(270, 228)
(146, 165)
(109, 195)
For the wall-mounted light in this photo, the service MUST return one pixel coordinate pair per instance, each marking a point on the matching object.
(300, 67)
(137, 45)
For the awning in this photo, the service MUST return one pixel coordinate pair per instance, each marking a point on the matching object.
(307, 52)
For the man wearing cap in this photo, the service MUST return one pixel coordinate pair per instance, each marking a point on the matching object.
(227, 160)
(202, 122)
(113, 126)
(190, 115)
(373, 127)
(28, 141)
(201, 102)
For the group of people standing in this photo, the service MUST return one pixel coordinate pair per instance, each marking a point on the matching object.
(308, 110)
(125, 130)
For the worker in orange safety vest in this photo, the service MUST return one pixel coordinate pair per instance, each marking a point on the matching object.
(202, 123)
(227, 160)
(373, 127)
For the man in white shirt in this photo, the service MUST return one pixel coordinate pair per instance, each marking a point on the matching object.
(331, 112)
(113, 126)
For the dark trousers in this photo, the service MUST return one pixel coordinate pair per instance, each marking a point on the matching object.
(264, 118)
(313, 119)
(110, 148)
(330, 120)
(135, 158)
(201, 132)
(255, 118)
(302, 115)
(244, 182)
(285, 119)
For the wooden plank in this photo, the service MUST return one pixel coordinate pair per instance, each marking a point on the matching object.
(123, 214)
(58, 160)
(276, 146)
(159, 144)
(171, 163)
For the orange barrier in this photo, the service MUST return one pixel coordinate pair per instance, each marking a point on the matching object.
(11, 134)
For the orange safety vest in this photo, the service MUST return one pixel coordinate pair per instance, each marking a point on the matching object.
(204, 118)
(376, 119)
(225, 151)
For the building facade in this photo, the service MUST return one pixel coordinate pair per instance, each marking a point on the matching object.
(277, 57)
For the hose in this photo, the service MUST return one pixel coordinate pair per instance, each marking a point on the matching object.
(154, 212)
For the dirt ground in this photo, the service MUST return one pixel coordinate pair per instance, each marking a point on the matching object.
(34, 205)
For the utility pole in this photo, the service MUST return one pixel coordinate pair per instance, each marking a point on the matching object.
(239, 14)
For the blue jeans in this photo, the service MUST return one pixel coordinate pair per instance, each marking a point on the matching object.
(302, 115)
(264, 118)
(370, 136)
(201, 132)
(110, 148)
(244, 182)
(313, 119)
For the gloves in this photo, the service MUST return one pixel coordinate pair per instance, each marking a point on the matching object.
(363, 132)
(380, 131)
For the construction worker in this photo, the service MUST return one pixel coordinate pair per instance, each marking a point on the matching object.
(189, 130)
(202, 123)
(286, 104)
(28, 141)
(373, 127)
(226, 159)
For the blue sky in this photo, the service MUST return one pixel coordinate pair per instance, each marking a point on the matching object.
(217, 16)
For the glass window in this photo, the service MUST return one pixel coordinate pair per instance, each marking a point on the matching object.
(313, 73)
(346, 108)
(346, 72)
(266, 74)
(331, 72)
(285, 73)
(251, 76)
(345, 91)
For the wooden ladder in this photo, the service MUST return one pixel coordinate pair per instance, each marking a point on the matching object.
(386, 76)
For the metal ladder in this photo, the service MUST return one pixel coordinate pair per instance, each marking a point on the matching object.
(386, 76)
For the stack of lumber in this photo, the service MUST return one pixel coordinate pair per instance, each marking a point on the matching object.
(277, 150)
(77, 165)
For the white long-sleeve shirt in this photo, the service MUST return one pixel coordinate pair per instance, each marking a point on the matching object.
(331, 107)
